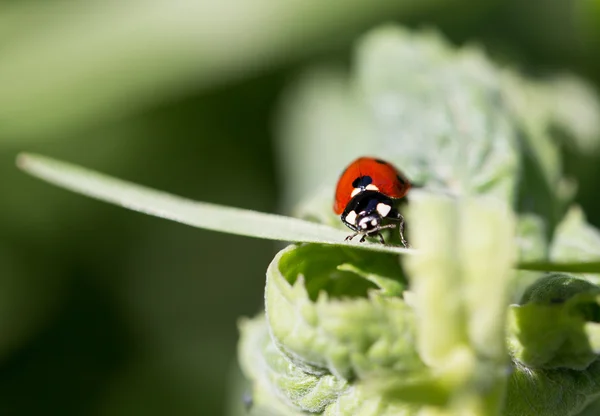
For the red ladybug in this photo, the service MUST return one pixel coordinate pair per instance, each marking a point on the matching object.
(367, 193)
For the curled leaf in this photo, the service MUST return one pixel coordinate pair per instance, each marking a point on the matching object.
(557, 324)
(329, 317)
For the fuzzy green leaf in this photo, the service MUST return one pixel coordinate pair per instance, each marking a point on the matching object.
(560, 392)
(328, 318)
(460, 278)
(460, 281)
(456, 124)
(284, 389)
(439, 114)
(556, 327)
(274, 375)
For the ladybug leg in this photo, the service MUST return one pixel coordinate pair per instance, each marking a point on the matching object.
(383, 227)
(376, 233)
(401, 229)
(350, 237)
(395, 215)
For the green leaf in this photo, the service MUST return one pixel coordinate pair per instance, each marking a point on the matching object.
(460, 283)
(332, 319)
(531, 237)
(560, 392)
(543, 190)
(460, 277)
(575, 239)
(425, 389)
(281, 388)
(274, 376)
(329, 323)
(577, 114)
(437, 113)
(570, 267)
(388, 286)
(197, 214)
(460, 126)
(556, 326)
(220, 218)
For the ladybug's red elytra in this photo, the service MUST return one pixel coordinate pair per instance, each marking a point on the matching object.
(367, 193)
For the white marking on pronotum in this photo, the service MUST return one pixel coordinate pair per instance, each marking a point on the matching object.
(372, 187)
(383, 209)
(351, 217)
(355, 191)
(374, 222)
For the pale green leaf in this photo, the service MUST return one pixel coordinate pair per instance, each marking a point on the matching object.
(531, 237)
(274, 376)
(438, 113)
(198, 214)
(543, 189)
(577, 114)
(333, 319)
(282, 388)
(575, 248)
(460, 277)
(575, 239)
(460, 280)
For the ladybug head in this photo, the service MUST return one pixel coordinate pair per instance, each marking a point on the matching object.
(368, 221)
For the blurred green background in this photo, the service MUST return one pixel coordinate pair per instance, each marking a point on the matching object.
(108, 312)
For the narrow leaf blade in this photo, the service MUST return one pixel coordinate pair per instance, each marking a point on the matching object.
(566, 267)
(197, 214)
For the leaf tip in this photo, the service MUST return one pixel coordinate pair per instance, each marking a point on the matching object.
(23, 161)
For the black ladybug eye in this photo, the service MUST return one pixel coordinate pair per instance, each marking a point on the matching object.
(362, 181)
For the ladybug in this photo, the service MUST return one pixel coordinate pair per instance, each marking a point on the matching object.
(367, 193)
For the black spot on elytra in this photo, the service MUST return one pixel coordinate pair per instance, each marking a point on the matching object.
(381, 162)
(362, 182)
(401, 179)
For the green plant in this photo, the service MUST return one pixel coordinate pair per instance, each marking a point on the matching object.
(371, 329)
